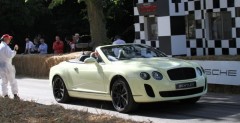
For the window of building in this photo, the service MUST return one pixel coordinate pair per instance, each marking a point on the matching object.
(151, 28)
(237, 11)
(219, 25)
(190, 26)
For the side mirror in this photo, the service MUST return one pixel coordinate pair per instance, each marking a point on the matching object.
(90, 60)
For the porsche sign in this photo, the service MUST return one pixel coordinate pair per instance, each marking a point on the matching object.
(222, 72)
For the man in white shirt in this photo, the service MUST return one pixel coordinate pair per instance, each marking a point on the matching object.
(7, 70)
(29, 46)
(43, 47)
(118, 40)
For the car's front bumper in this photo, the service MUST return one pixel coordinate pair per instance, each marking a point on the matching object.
(165, 90)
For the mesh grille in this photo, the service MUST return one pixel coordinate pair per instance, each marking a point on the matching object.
(181, 73)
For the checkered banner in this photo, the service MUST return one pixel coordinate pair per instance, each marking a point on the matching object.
(172, 37)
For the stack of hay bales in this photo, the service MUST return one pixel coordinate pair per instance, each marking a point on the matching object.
(38, 66)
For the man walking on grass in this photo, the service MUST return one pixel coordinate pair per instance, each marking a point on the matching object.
(7, 70)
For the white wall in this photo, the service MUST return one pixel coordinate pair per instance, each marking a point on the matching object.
(222, 72)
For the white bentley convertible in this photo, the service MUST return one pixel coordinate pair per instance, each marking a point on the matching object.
(127, 75)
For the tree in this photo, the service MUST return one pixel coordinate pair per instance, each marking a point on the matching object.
(41, 15)
(15, 20)
(96, 19)
(14, 16)
(120, 19)
(70, 17)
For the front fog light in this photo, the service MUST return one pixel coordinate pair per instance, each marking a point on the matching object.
(199, 71)
(145, 76)
(156, 75)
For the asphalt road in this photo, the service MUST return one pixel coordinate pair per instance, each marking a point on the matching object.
(211, 108)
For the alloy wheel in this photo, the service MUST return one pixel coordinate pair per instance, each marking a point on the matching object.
(120, 95)
(58, 89)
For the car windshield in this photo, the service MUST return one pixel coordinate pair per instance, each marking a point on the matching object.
(126, 52)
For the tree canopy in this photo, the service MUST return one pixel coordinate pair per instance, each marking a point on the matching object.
(28, 18)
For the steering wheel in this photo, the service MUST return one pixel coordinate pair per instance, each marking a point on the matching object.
(129, 52)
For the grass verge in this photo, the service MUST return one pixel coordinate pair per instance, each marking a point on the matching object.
(12, 111)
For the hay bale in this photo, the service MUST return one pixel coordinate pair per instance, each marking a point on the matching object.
(34, 65)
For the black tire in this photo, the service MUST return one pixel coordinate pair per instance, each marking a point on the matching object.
(122, 98)
(60, 92)
(190, 100)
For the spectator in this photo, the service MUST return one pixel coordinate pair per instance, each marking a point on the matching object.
(118, 40)
(72, 44)
(77, 36)
(43, 48)
(77, 40)
(67, 47)
(29, 46)
(36, 45)
(58, 46)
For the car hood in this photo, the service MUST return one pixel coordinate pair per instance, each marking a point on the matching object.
(157, 63)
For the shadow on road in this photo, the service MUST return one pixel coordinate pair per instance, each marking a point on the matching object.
(209, 107)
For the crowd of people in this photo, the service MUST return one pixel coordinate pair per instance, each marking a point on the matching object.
(38, 45)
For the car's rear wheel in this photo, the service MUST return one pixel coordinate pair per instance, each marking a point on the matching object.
(59, 90)
(122, 97)
(190, 100)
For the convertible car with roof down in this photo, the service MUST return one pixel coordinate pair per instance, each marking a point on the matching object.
(128, 75)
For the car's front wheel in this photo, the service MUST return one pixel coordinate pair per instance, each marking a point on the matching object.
(190, 100)
(122, 97)
(60, 92)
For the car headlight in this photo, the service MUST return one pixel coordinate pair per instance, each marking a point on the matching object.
(157, 75)
(145, 75)
(199, 71)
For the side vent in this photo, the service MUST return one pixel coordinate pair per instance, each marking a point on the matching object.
(149, 90)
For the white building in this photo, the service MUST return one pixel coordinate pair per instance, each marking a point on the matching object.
(189, 27)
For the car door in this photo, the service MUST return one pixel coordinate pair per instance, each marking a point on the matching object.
(88, 77)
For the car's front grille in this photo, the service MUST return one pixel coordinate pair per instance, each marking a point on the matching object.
(181, 92)
(182, 73)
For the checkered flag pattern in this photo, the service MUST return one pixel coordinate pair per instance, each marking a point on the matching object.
(139, 25)
(200, 45)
